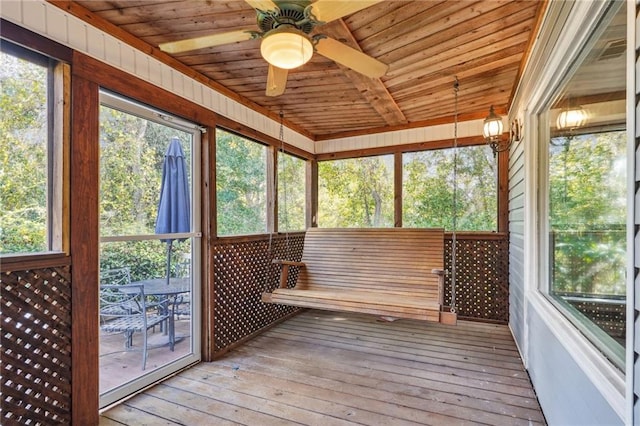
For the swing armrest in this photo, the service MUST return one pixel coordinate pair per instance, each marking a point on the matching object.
(440, 274)
(284, 274)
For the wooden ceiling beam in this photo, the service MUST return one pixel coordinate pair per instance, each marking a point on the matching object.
(372, 89)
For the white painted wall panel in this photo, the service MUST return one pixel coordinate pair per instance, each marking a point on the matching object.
(77, 35)
(34, 16)
(112, 51)
(167, 78)
(127, 59)
(401, 137)
(517, 242)
(188, 87)
(197, 93)
(96, 43)
(11, 10)
(142, 65)
(56, 24)
(155, 72)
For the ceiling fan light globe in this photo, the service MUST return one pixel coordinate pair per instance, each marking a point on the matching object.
(286, 48)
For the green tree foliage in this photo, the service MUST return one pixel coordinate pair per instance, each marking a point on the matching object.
(356, 193)
(587, 185)
(23, 156)
(428, 187)
(241, 182)
(291, 193)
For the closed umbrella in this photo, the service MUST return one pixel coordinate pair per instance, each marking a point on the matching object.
(173, 208)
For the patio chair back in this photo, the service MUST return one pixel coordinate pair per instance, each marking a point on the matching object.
(117, 276)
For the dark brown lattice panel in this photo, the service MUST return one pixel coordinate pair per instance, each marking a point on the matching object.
(243, 271)
(482, 278)
(36, 347)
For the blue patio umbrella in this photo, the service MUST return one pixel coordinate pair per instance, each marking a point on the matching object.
(173, 207)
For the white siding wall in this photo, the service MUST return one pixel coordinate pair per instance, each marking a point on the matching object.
(51, 22)
(516, 243)
(574, 384)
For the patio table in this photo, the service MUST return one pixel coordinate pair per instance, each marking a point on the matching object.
(159, 287)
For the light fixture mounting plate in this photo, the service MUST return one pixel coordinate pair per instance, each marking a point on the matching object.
(289, 12)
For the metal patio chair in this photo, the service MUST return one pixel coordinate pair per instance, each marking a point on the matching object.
(123, 309)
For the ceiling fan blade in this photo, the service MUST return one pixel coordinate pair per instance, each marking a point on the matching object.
(207, 41)
(276, 81)
(328, 10)
(262, 4)
(351, 58)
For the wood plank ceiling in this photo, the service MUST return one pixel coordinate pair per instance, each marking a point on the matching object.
(425, 43)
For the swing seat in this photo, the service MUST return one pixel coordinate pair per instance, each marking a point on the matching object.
(391, 272)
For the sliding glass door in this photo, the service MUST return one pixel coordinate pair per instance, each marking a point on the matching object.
(149, 246)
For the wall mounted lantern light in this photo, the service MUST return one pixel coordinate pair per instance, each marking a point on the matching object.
(492, 132)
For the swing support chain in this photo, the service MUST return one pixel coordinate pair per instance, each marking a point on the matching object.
(454, 240)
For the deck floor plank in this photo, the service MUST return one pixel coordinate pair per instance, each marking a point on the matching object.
(326, 368)
(426, 370)
(254, 396)
(386, 375)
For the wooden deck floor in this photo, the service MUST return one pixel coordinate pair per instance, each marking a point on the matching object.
(323, 368)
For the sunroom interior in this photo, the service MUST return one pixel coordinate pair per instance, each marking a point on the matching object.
(375, 142)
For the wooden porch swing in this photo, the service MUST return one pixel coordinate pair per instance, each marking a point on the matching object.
(389, 272)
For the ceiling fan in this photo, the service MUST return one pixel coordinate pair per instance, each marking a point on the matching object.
(285, 27)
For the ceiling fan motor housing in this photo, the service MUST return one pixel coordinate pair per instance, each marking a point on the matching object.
(289, 13)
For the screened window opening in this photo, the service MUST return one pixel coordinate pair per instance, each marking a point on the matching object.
(356, 193)
(29, 212)
(241, 185)
(428, 184)
(291, 193)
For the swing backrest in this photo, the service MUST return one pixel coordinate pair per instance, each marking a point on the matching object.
(393, 261)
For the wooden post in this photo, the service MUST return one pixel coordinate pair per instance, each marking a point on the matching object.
(503, 191)
(209, 226)
(397, 189)
(84, 252)
(312, 194)
(272, 189)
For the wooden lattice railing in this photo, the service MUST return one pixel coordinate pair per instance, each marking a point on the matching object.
(35, 358)
(482, 275)
(242, 272)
